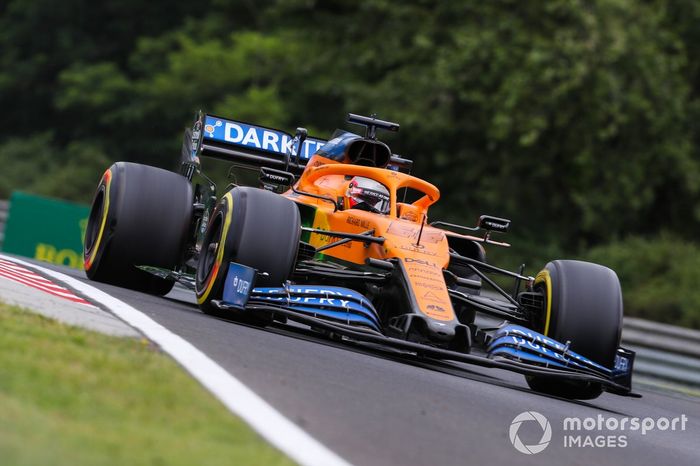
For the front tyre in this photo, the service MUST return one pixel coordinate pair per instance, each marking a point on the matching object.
(252, 227)
(140, 215)
(583, 305)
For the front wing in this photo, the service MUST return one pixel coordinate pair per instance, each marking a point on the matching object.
(351, 316)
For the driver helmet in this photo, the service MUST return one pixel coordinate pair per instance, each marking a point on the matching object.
(367, 194)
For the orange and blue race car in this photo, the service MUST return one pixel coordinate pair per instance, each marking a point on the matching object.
(336, 237)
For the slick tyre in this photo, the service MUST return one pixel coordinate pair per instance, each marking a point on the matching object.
(140, 215)
(583, 305)
(252, 227)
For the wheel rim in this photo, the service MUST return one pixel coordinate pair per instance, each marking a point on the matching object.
(210, 247)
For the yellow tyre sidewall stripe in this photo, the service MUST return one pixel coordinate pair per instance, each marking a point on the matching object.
(216, 268)
(544, 277)
(107, 182)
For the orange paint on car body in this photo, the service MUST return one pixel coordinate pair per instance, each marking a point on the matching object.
(422, 260)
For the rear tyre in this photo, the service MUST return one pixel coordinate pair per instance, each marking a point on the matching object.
(583, 305)
(140, 215)
(252, 227)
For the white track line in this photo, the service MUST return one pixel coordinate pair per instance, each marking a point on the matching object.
(239, 399)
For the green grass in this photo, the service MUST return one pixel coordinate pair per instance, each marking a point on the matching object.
(73, 397)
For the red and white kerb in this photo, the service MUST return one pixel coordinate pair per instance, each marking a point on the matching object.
(22, 275)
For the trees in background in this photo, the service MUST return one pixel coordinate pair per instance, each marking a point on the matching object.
(574, 118)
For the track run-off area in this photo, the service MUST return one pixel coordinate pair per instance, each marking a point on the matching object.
(324, 402)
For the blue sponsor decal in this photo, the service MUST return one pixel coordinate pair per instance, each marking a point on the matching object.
(513, 353)
(622, 363)
(337, 316)
(521, 343)
(345, 306)
(317, 290)
(238, 285)
(326, 302)
(255, 137)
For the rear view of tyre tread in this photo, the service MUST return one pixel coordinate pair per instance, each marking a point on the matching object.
(141, 215)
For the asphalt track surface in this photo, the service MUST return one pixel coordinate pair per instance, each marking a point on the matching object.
(380, 410)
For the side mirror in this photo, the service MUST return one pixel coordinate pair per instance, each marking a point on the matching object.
(489, 223)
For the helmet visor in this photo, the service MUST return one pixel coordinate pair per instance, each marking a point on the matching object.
(368, 194)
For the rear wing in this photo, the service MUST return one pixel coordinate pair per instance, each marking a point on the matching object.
(257, 146)
(248, 144)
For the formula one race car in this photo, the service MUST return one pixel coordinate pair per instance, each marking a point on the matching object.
(336, 238)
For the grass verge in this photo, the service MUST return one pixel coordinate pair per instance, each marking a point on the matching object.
(73, 397)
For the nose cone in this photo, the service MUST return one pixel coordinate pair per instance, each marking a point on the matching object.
(451, 335)
(440, 332)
